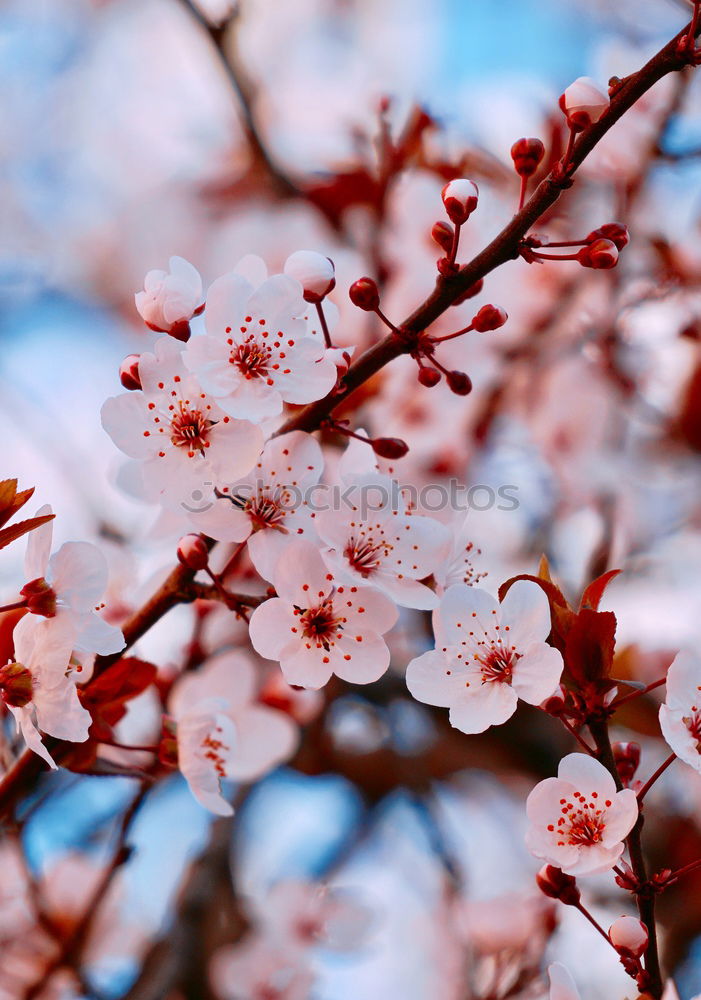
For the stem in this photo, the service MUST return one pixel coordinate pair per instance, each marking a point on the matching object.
(456, 240)
(15, 606)
(522, 195)
(636, 694)
(387, 322)
(324, 325)
(651, 781)
(585, 912)
(582, 742)
(553, 256)
(124, 746)
(692, 866)
(566, 243)
(646, 901)
(452, 336)
(566, 159)
(231, 562)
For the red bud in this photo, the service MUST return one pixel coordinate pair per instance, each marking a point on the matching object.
(460, 198)
(180, 330)
(527, 154)
(391, 448)
(442, 234)
(364, 294)
(429, 377)
(16, 686)
(601, 255)
(557, 885)
(193, 551)
(129, 372)
(40, 597)
(459, 382)
(627, 758)
(614, 231)
(489, 318)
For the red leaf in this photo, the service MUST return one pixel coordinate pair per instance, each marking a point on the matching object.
(10, 500)
(594, 592)
(15, 531)
(552, 591)
(589, 647)
(106, 696)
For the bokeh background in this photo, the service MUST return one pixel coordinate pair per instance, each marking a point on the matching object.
(123, 141)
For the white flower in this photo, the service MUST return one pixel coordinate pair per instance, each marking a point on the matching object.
(299, 915)
(680, 716)
(629, 934)
(270, 506)
(583, 102)
(461, 565)
(373, 540)
(170, 299)
(206, 739)
(315, 273)
(578, 820)
(317, 627)
(487, 656)
(256, 354)
(184, 442)
(264, 737)
(67, 587)
(561, 984)
(44, 649)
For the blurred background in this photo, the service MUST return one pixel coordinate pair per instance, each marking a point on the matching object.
(132, 130)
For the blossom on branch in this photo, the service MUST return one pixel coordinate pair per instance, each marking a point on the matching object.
(171, 299)
(680, 716)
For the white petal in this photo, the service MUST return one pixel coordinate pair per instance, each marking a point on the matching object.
(39, 547)
(227, 301)
(265, 739)
(526, 610)
(463, 609)
(125, 419)
(78, 573)
(431, 679)
(537, 673)
(271, 627)
(488, 705)
(586, 774)
(360, 662)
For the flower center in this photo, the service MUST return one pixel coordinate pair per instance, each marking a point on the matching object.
(497, 664)
(581, 823)
(265, 511)
(693, 724)
(252, 359)
(365, 555)
(321, 625)
(190, 429)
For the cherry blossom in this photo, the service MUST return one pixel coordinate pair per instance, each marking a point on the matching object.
(270, 506)
(67, 587)
(461, 564)
(300, 914)
(256, 353)
(43, 649)
(562, 985)
(578, 820)
(206, 749)
(184, 443)
(318, 626)
(170, 299)
(583, 102)
(315, 273)
(628, 934)
(680, 716)
(487, 656)
(372, 539)
(259, 969)
(264, 736)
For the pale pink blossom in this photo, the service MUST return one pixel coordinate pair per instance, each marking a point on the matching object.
(67, 588)
(629, 934)
(318, 626)
(315, 273)
(511, 922)
(562, 985)
(487, 656)
(44, 649)
(265, 737)
(184, 443)
(372, 539)
(259, 969)
(462, 564)
(170, 297)
(206, 746)
(578, 821)
(270, 506)
(680, 716)
(256, 353)
(299, 915)
(583, 102)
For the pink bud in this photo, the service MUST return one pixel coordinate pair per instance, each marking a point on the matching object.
(442, 234)
(527, 154)
(315, 273)
(489, 318)
(429, 377)
(460, 199)
(390, 448)
(601, 255)
(627, 758)
(129, 372)
(459, 383)
(193, 551)
(364, 294)
(629, 935)
(583, 103)
(556, 702)
(614, 231)
(40, 597)
(557, 885)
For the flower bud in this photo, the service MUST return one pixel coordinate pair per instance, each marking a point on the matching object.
(129, 372)
(429, 376)
(40, 597)
(627, 758)
(171, 298)
(181, 331)
(442, 234)
(555, 704)
(583, 103)
(527, 154)
(168, 745)
(601, 255)
(460, 199)
(556, 884)
(459, 383)
(193, 551)
(315, 273)
(470, 292)
(489, 318)
(16, 687)
(364, 294)
(391, 448)
(629, 935)
(614, 231)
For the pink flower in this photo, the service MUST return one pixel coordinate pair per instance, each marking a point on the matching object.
(315, 273)
(184, 442)
(461, 564)
(259, 969)
(628, 934)
(299, 915)
(373, 540)
(170, 299)
(561, 984)
(487, 656)
(264, 737)
(44, 648)
(270, 506)
(317, 626)
(583, 103)
(680, 716)
(67, 588)
(578, 820)
(256, 354)
(206, 742)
